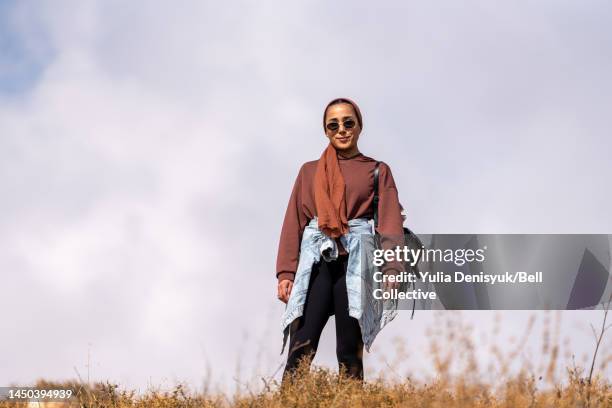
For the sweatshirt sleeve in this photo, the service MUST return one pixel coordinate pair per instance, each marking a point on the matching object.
(291, 233)
(390, 221)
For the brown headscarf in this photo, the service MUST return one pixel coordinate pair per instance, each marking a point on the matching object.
(329, 185)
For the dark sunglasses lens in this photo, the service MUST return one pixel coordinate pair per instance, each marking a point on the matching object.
(333, 126)
(349, 124)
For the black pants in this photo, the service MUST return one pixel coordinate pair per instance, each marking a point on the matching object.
(326, 296)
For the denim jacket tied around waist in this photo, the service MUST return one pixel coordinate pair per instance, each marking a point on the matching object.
(359, 242)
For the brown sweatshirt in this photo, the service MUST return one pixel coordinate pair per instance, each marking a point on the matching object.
(358, 173)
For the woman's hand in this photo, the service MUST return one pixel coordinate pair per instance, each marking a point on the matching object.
(284, 290)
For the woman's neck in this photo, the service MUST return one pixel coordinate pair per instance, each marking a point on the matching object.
(349, 154)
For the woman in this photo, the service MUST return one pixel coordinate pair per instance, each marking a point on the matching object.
(319, 263)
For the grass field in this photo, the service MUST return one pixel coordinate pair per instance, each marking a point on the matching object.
(460, 380)
(320, 388)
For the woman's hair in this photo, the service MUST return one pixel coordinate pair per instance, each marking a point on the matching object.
(344, 100)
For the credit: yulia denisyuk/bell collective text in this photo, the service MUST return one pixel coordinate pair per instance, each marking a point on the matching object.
(461, 277)
(442, 277)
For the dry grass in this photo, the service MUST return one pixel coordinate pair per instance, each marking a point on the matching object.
(507, 379)
(321, 388)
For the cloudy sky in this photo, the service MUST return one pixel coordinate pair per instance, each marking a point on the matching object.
(148, 149)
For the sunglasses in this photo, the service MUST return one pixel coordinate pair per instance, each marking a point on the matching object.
(348, 124)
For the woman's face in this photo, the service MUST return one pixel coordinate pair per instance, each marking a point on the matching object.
(342, 139)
